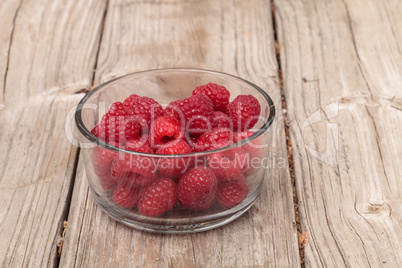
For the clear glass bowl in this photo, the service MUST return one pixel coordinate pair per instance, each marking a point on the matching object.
(164, 86)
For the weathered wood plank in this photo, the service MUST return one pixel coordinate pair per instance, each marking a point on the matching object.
(342, 67)
(46, 59)
(8, 12)
(53, 47)
(235, 37)
(35, 182)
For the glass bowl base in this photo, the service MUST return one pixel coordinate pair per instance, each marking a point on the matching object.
(200, 226)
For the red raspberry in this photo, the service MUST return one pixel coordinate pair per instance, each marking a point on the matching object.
(229, 164)
(192, 140)
(216, 138)
(197, 188)
(219, 95)
(158, 198)
(107, 182)
(102, 157)
(127, 194)
(117, 108)
(253, 150)
(194, 112)
(244, 111)
(101, 162)
(144, 166)
(221, 120)
(175, 147)
(111, 121)
(95, 131)
(231, 193)
(120, 167)
(174, 167)
(253, 147)
(139, 145)
(242, 135)
(129, 100)
(142, 180)
(118, 126)
(163, 130)
(146, 108)
(121, 173)
(133, 168)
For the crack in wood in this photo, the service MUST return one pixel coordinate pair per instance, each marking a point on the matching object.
(379, 147)
(8, 53)
(99, 46)
(66, 208)
(332, 234)
(359, 63)
(85, 91)
(288, 140)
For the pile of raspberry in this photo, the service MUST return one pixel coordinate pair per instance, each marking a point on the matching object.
(205, 121)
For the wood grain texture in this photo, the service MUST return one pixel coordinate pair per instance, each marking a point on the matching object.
(52, 47)
(342, 68)
(46, 58)
(8, 12)
(234, 37)
(37, 166)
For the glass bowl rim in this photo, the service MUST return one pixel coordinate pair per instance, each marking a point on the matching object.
(91, 137)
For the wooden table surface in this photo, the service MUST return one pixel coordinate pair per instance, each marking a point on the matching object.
(333, 68)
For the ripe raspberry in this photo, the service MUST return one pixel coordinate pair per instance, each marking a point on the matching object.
(144, 166)
(231, 193)
(197, 188)
(252, 147)
(174, 167)
(253, 151)
(146, 108)
(142, 180)
(129, 168)
(219, 95)
(173, 147)
(107, 182)
(192, 140)
(119, 168)
(221, 120)
(158, 198)
(101, 162)
(194, 112)
(163, 130)
(229, 164)
(129, 100)
(127, 194)
(218, 137)
(242, 135)
(102, 158)
(118, 126)
(95, 131)
(117, 109)
(244, 111)
(139, 145)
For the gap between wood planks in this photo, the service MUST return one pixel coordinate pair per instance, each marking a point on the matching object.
(302, 239)
(9, 51)
(97, 53)
(66, 210)
(59, 246)
(99, 46)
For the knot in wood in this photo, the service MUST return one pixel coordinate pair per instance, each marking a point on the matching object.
(376, 209)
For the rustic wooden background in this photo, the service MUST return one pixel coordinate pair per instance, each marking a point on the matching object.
(333, 69)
